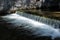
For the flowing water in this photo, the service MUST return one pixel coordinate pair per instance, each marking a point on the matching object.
(39, 26)
(52, 22)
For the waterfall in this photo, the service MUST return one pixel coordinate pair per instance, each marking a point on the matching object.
(32, 23)
(52, 22)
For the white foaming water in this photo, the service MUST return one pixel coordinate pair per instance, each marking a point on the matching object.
(39, 29)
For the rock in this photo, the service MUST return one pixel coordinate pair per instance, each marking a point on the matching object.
(5, 6)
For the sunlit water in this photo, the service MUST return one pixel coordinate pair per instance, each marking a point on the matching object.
(38, 28)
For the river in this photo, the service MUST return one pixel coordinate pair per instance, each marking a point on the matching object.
(23, 24)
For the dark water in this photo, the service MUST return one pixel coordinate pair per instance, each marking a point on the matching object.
(21, 27)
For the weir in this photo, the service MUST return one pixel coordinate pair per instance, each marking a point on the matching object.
(54, 23)
(25, 23)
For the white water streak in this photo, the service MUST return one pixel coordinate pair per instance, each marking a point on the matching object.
(38, 28)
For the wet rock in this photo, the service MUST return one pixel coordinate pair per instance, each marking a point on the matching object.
(5, 6)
